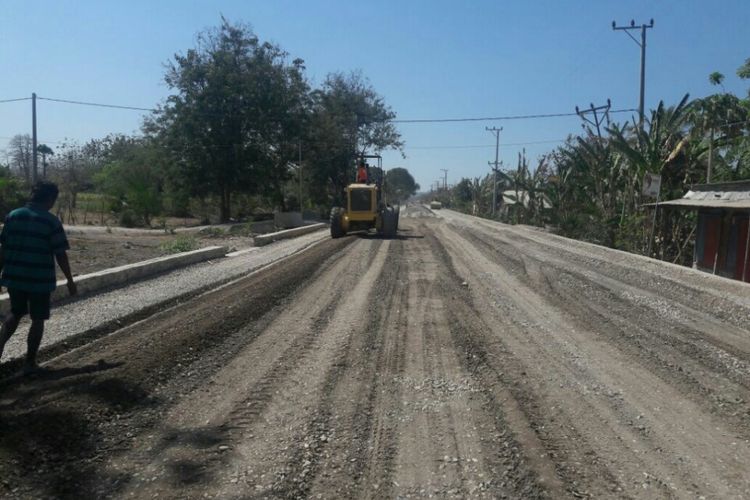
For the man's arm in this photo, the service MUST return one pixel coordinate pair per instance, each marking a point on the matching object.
(62, 261)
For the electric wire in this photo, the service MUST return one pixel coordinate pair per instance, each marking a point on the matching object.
(499, 118)
(403, 121)
(96, 104)
(3, 101)
(419, 120)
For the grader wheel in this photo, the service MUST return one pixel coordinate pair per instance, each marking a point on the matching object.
(337, 228)
(390, 222)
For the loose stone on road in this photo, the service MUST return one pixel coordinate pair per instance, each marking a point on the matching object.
(463, 359)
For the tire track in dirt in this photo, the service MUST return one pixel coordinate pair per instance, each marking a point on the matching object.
(359, 460)
(713, 377)
(537, 368)
(464, 440)
(236, 401)
(694, 291)
(598, 378)
(297, 426)
(364, 368)
(504, 384)
(106, 395)
(407, 420)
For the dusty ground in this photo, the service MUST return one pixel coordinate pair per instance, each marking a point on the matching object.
(94, 249)
(95, 252)
(463, 359)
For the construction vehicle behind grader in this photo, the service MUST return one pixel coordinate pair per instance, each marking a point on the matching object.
(366, 207)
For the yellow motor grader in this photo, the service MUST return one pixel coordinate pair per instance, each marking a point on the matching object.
(366, 207)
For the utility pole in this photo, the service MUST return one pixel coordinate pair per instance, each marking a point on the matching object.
(33, 138)
(642, 44)
(299, 171)
(496, 131)
(595, 111)
(445, 179)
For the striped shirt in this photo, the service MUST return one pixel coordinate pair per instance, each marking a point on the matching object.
(29, 241)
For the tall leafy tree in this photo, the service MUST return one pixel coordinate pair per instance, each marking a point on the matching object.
(45, 151)
(133, 175)
(717, 120)
(73, 169)
(744, 70)
(236, 106)
(348, 118)
(399, 185)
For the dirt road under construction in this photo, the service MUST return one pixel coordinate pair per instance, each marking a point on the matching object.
(463, 359)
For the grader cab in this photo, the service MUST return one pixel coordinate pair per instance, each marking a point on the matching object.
(365, 206)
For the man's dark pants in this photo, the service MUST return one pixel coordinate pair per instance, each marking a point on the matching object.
(37, 306)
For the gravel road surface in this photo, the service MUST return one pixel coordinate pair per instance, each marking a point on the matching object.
(463, 359)
(105, 312)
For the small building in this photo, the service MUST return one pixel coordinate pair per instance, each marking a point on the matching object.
(512, 199)
(722, 241)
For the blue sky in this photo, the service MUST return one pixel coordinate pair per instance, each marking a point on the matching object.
(428, 59)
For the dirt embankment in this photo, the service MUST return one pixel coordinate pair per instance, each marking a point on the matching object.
(462, 359)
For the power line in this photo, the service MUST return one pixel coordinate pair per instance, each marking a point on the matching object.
(498, 118)
(427, 120)
(15, 100)
(467, 146)
(421, 120)
(482, 146)
(95, 104)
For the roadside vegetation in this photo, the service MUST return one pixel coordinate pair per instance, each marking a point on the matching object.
(590, 187)
(225, 145)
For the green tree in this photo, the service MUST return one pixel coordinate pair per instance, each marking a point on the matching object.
(45, 151)
(73, 169)
(657, 146)
(718, 121)
(744, 70)
(133, 175)
(11, 192)
(462, 195)
(716, 78)
(399, 185)
(348, 118)
(665, 147)
(236, 109)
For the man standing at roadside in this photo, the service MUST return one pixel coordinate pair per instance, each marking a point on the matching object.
(31, 240)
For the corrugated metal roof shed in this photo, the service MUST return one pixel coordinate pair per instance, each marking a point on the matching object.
(729, 195)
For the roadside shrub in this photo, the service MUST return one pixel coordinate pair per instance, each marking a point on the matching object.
(12, 194)
(128, 218)
(179, 245)
(243, 206)
(245, 229)
(212, 232)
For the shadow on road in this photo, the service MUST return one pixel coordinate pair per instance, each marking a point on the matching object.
(51, 434)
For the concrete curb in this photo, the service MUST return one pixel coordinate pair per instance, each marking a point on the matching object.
(265, 239)
(89, 283)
